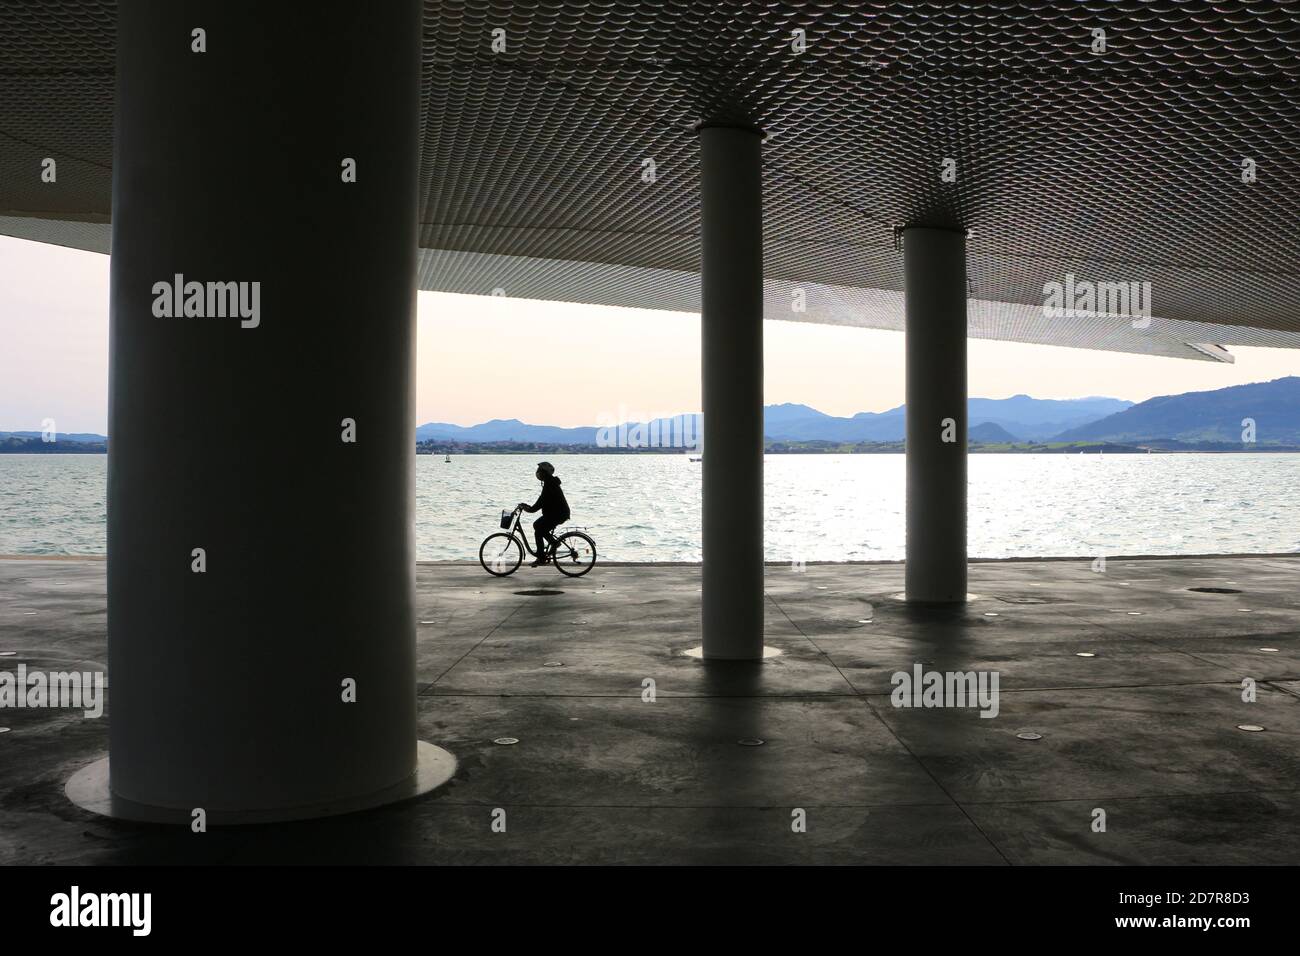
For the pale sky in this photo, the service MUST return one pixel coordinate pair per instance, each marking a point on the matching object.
(477, 359)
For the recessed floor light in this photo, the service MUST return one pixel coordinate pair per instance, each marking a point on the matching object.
(8, 653)
(1084, 654)
(864, 620)
(1269, 650)
(1250, 728)
(554, 664)
(1028, 735)
(4, 730)
(1135, 613)
(750, 742)
(506, 741)
(990, 613)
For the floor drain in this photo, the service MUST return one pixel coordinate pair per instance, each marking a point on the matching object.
(750, 742)
(506, 741)
(1026, 735)
(539, 592)
(1215, 590)
(1250, 728)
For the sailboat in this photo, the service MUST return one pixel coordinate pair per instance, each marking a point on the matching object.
(448, 458)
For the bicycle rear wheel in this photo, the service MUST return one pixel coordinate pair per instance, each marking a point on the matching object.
(500, 554)
(575, 554)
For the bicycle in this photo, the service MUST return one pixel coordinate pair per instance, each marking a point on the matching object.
(573, 552)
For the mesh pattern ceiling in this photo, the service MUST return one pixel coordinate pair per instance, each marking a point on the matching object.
(1115, 164)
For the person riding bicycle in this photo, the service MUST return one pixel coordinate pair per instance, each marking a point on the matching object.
(554, 508)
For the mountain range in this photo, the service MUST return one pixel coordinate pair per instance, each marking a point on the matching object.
(1211, 416)
(1272, 409)
(1019, 418)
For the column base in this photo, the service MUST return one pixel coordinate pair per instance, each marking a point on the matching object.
(88, 789)
(698, 654)
(923, 602)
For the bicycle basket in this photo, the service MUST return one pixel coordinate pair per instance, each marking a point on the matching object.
(507, 519)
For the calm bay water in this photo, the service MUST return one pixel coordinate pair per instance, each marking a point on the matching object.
(819, 507)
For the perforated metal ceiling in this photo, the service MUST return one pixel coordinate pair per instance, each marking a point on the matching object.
(1122, 165)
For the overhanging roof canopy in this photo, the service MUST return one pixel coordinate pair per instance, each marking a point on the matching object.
(1123, 165)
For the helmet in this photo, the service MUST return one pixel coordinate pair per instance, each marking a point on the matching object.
(546, 468)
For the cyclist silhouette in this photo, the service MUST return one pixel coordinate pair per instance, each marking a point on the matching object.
(553, 506)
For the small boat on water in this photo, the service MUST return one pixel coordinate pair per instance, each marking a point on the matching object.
(447, 459)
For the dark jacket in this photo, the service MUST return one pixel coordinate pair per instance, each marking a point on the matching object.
(551, 501)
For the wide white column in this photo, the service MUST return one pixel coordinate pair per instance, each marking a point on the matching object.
(261, 426)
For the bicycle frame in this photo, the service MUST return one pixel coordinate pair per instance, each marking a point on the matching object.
(517, 529)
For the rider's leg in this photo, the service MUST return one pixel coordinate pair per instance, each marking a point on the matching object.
(542, 529)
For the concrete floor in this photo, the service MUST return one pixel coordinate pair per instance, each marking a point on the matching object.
(1146, 729)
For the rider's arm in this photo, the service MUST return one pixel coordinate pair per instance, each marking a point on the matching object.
(531, 508)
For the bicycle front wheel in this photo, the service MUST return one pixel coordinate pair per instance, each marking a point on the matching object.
(575, 554)
(500, 554)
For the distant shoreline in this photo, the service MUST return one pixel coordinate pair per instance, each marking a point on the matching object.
(892, 448)
(1154, 447)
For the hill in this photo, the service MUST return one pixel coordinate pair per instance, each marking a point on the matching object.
(989, 433)
(1214, 416)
